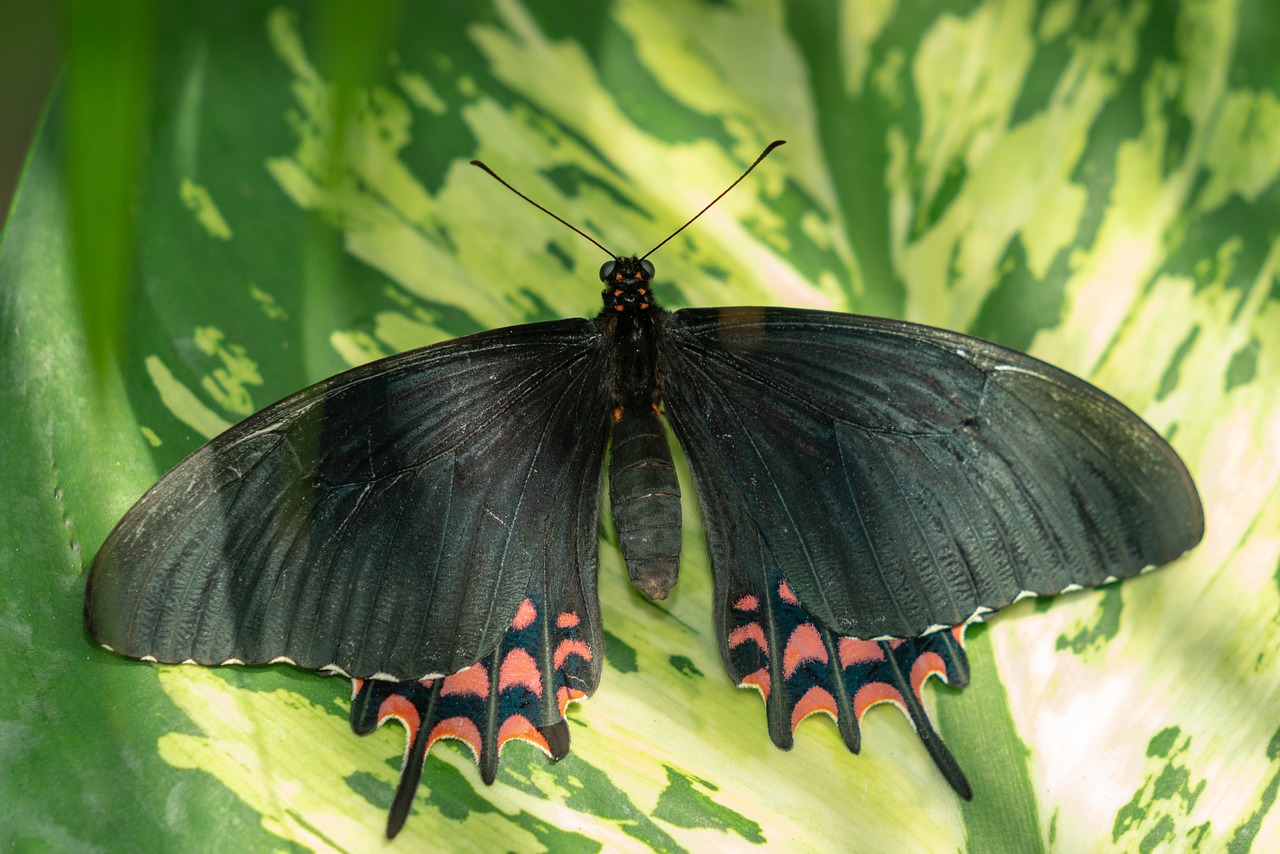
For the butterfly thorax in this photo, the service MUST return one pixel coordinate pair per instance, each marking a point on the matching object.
(631, 320)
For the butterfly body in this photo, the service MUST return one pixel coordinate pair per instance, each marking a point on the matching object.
(643, 488)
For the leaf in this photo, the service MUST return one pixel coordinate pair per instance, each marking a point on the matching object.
(1096, 184)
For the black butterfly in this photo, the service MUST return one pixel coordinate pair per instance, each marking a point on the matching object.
(427, 524)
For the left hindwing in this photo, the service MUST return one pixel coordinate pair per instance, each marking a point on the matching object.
(902, 478)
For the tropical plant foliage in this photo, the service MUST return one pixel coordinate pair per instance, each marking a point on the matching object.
(1094, 182)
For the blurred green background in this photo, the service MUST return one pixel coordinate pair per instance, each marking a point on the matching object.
(30, 52)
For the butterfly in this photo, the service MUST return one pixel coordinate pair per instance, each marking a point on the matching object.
(427, 524)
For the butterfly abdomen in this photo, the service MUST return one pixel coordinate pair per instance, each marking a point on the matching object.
(645, 495)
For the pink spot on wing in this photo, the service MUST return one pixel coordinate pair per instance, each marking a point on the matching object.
(525, 615)
(473, 681)
(873, 694)
(749, 632)
(854, 651)
(746, 603)
(567, 620)
(816, 699)
(567, 648)
(805, 644)
(785, 594)
(518, 727)
(519, 669)
(460, 729)
(758, 680)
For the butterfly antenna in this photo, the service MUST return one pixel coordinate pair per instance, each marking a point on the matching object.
(768, 148)
(568, 225)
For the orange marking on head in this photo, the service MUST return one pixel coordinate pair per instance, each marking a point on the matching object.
(473, 680)
(816, 699)
(525, 615)
(873, 694)
(785, 594)
(519, 669)
(617, 308)
(644, 306)
(460, 729)
(746, 603)
(929, 664)
(617, 413)
(518, 727)
(567, 648)
(749, 632)
(854, 651)
(805, 644)
(758, 680)
(567, 620)
(401, 709)
(617, 277)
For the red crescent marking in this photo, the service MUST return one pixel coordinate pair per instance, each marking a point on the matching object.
(854, 651)
(785, 594)
(459, 728)
(929, 664)
(518, 727)
(805, 644)
(816, 699)
(567, 695)
(567, 648)
(519, 669)
(874, 693)
(402, 710)
(758, 680)
(749, 632)
(473, 680)
(525, 615)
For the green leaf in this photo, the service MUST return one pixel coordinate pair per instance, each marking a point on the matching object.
(1094, 182)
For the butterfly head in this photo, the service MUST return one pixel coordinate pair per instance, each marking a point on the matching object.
(628, 284)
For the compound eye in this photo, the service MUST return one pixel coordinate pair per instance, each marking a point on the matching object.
(606, 270)
(646, 268)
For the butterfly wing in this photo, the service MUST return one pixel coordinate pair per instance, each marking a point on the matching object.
(902, 479)
(387, 521)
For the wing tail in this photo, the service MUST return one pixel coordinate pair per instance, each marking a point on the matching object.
(548, 657)
(771, 643)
